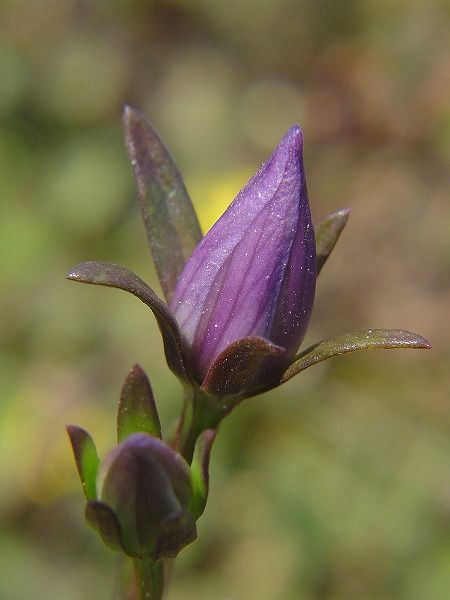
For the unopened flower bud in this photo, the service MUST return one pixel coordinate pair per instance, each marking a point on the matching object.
(254, 272)
(148, 487)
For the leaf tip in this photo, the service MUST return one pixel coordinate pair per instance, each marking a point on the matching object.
(127, 109)
(413, 340)
(72, 275)
(422, 343)
(137, 410)
(76, 434)
(137, 371)
(129, 114)
(344, 213)
(75, 273)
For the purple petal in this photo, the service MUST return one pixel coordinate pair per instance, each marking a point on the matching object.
(254, 273)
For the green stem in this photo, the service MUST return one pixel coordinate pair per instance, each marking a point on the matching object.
(149, 579)
(201, 412)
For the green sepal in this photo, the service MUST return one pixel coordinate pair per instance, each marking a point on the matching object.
(327, 234)
(200, 471)
(100, 516)
(86, 459)
(366, 339)
(173, 230)
(111, 275)
(176, 532)
(235, 371)
(137, 409)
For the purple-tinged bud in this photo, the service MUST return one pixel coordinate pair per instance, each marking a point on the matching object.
(147, 486)
(254, 272)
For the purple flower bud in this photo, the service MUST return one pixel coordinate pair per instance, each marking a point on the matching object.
(147, 486)
(254, 272)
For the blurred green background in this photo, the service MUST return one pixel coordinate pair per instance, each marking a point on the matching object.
(335, 486)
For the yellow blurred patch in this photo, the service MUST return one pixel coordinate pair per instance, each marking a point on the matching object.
(212, 194)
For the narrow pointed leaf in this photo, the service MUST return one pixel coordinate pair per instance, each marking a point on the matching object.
(104, 521)
(327, 234)
(137, 410)
(200, 471)
(172, 227)
(366, 339)
(235, 370)
(111, 275)
(86, 459)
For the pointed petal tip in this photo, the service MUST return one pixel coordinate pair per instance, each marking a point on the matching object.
(293, 139)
